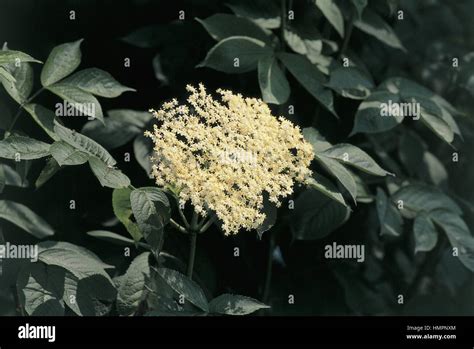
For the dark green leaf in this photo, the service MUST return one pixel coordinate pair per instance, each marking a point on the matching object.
(23, 148)
(425, 232)
(273, 83)
(108, 176)
(23, 217)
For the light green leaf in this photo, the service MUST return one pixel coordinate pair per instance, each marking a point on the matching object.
(326, 187)
(390, 220)
(132, 291)
(62, 61)
(309, 77)
(356, 157)
(83, 143)
(351, 82)
(231, 304)
(318, 142)
(108, 176)
(98, 82)
(118, 129)
(332, 13)
(111, 237)
(438, 126)
(24, 218)
(236, 54)
(48, 171)
(340, 172)
(221, 26)
(23, 148)
(20, 87)
(264, 13)
(273, 83)
(425, 232)
(66, 154)
(10, 56)
(83, 102)
(316, 215)
(123, 211)
(43, 117)
(184, 286)
(372, 24)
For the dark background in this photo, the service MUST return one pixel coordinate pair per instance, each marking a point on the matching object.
(36, 26)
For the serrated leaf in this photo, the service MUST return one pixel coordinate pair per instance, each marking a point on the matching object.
(420, 197)
(332, 13)
(132, 285)
(41, 290)
(67, 155)
(273, 83)
(351, 82)
(61, 62)
(81, 262)
(221, 26)
(235, 55)
(98, 82)
(123, 211)
(230, 304)
(310, 78)
(340, 172)
(83, 143)
(184, 286)
(325, 186)
(425, 233)
(152, 211)
(390, 220)
(356, 157)
(23, 148)
(108, 176)
(372, 24)
(24, 218)
(43, 117)
(20, 87)
(315, 215)
(83, 102)
(118, 129)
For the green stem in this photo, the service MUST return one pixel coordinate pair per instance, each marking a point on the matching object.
(347, 36)
(183, 217)
(192, 254)
(283, 16)
(178, 227)
(21, 107)
(206, 226)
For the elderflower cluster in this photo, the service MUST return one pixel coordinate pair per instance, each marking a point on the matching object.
(223, 155)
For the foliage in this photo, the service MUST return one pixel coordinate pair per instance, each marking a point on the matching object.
(395, 184)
